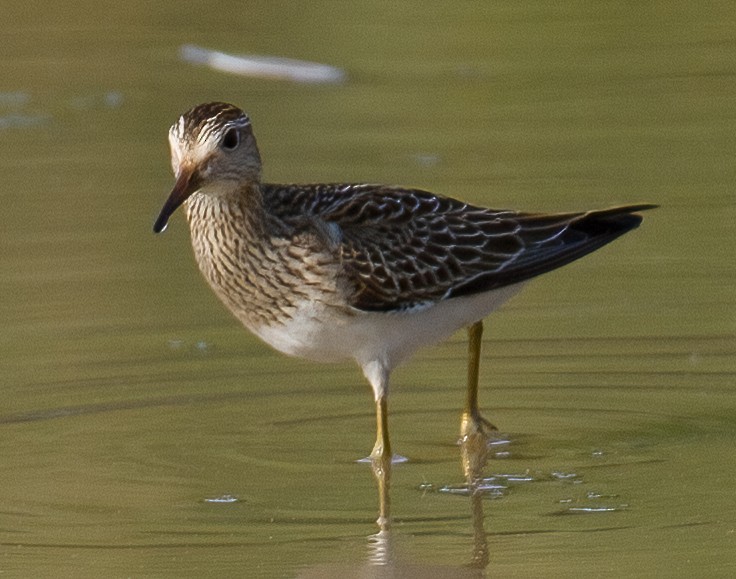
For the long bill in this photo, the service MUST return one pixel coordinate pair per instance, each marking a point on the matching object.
(186, 184)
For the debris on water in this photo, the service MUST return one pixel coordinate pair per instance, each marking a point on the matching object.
(583, 510)
(570, 477)
(109, 100)
(20, 120)
(113, 99)
(492, 487)
(14, 99)
(594, 502)
(200, 346)
(593, 495)
(515, 478)
(426, 159)
(485, 489)
(223, 499)
(273, 67)
(18, 115)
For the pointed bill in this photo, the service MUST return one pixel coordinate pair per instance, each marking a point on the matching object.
(186, 184)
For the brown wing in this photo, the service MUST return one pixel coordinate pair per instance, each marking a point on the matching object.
(403, 248)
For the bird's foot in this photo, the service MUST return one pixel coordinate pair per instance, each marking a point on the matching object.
(474, 425)
(475, 434)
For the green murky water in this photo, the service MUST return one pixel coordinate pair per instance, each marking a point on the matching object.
(130, 398)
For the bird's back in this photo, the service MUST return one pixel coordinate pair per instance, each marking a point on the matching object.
(402, 249)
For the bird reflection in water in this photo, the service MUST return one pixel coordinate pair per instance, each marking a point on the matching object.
(384, 561)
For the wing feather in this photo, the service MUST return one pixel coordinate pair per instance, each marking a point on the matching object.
(403, 248)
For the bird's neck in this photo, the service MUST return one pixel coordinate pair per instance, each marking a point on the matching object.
(238, 210)
(229, 239)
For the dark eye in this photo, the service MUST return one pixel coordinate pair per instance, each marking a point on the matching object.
(230, 139)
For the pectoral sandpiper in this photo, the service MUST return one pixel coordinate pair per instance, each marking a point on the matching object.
(359, 271)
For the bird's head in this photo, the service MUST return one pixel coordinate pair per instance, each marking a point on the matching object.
(213, 151)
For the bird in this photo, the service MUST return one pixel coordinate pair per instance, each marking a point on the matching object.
(359, 271)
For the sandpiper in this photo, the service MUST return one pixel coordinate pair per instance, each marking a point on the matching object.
(359, 271)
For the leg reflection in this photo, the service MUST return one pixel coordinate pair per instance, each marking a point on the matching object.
(381, 461)
(474, 456)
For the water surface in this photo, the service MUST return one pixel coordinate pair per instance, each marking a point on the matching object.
(134, 408)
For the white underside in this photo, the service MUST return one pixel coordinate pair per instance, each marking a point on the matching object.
(377, 341)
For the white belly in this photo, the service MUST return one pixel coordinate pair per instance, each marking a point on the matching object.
(324, 334)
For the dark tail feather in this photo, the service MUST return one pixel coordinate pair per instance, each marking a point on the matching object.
(611, 222)
(578, 235)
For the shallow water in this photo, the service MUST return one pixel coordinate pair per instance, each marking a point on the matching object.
(144, 433)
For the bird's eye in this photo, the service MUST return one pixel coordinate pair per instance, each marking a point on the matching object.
(230, 140)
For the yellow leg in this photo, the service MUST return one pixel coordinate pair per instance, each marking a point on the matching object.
(472, 420)
(381, 461)
(474, 447)
(474, 429)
